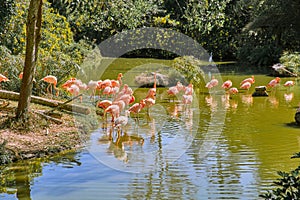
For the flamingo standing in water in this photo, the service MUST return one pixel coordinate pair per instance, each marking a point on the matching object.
(212, 83)
(250, 80)
(187, 100)
(137, 107)
(246, 85)
(189, 89)
(289, 84)
(227, 84)
(52, 80)
(173, 91)
(104, 104)
(121, 121)
(114, 110)
(233, 90)
(274, 82)
(151, 96)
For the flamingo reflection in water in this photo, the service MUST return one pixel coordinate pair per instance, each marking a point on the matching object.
(247, 99)
(211, 102)
(288, 97)
(117, 141)
(274, 101)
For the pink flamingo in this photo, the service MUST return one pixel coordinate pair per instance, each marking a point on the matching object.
(273, 82)
(149, 102)
(3, 79)
(250, 80)
(121, 121)
(115, 91)
(118, 82)
(21, 75)
(105, 83)
(92, 85)
(52, 80)
(173, 91)
(68, 83)
(189, 89)
(125, 91)
(127, 98)
(137, 107)
(151, 96)
(104, 104)
(212, 83)
(121, 104)
(233, 90)
(246, 85)
(289, 83)
(152, 92)
(187, 99)
(114, 110)
(107, 91)
(227, 84)
(74, 90)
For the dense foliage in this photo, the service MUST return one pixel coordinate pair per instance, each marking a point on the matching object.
(59, 54)
(256, 33)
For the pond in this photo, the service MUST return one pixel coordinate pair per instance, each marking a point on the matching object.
(219, 148)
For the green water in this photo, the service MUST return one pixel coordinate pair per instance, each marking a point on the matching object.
(219, 148)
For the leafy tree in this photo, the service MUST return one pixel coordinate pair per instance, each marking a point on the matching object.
(279, 17)
(216, 24)
(6, 11)
(98, 20)
(274, 27)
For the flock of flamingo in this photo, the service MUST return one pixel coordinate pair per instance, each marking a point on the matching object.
(246, 84)
(121, 99)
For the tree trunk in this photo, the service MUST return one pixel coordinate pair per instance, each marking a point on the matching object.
(33, 36)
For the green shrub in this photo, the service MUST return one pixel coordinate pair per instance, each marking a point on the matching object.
(59, 54)
(10, 66)
(288, 185)
(189, 67)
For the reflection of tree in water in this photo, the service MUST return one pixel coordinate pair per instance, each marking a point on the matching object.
(16, 178)
(170, 179)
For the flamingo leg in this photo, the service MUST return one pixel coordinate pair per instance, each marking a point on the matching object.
(48, 88)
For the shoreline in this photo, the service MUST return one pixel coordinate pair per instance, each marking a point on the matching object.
(43, 137)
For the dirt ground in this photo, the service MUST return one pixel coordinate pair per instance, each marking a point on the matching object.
(40, 136)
